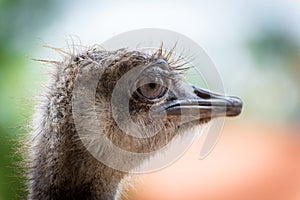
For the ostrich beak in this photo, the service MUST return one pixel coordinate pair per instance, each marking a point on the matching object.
(200, 104)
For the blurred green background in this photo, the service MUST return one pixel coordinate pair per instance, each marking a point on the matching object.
(256, 47)
(19, 20)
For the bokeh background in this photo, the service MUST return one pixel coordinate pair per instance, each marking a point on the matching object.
(255, 46)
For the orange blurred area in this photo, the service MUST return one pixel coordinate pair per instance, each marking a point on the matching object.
(250, 162)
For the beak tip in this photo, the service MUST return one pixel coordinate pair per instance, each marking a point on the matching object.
(237, 102)
(236, 107)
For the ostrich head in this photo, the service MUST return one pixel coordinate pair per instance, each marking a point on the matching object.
(139, 101)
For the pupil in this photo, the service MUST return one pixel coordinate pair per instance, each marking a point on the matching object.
(152, 85)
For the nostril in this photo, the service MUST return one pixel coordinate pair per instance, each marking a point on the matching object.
(202, 93)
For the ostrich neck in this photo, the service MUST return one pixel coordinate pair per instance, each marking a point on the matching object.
(60, 166)
(63, 169)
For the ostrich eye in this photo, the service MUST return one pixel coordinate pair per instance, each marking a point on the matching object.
(151, 88)
(153, 83)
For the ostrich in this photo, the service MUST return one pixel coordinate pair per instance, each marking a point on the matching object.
(60, 166)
